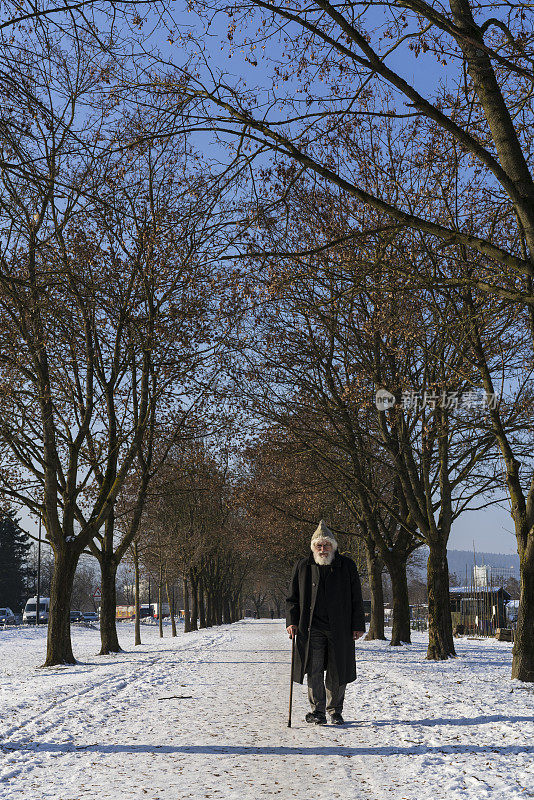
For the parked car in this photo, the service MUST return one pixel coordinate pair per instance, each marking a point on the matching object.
(76, 616)
(30, 608)
(7, 617)
(90, 616)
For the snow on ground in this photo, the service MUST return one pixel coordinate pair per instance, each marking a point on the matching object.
(205, 716)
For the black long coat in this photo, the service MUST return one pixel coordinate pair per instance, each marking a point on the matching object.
(345, 611)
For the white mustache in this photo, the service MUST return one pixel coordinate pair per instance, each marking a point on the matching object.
(325, 559)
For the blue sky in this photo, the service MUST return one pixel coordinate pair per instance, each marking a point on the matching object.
(491, 529)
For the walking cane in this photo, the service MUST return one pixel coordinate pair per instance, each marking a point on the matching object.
(291, 682)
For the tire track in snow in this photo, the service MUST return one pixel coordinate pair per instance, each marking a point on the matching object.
(121, 684)
(134, 676)
(16, 751)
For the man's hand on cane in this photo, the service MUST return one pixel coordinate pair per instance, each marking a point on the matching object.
(292, 630)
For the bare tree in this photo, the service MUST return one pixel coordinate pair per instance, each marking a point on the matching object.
(325, 346)
(162, 231)
(479, 105)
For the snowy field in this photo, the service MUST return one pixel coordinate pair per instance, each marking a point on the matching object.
(205, 716)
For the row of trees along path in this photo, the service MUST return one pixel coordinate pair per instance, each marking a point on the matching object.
(366, 110)
(111, 222)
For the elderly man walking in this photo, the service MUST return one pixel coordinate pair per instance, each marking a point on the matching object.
(324, 610)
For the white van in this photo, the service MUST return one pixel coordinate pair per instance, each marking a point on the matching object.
(29, 614)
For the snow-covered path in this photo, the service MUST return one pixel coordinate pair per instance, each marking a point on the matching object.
(103, 729)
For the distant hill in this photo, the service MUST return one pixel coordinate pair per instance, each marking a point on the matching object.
(460, 559)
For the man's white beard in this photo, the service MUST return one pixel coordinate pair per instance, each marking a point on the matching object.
(323, 559)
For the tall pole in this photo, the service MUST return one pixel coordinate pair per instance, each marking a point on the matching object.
(137, 598)
(160, 615)
(475, 583)
(38, 598)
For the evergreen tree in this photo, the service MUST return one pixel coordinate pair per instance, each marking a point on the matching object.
(14, 572)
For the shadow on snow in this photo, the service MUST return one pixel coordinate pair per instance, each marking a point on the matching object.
(239, 750)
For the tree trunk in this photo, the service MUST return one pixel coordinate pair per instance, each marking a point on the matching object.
(237, 611)
(59, 647)
(170, 601)
(440, 640)
(108, 609)
(194, 601)
(187, 615)
(209, 609)
(374, 572)
(401, 631)
(523, 651)
(137, 597)
(257, 605)
(227, 618)
(201, 604)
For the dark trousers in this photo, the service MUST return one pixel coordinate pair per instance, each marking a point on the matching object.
(322, 651)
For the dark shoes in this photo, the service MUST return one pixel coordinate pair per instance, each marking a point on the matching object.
(316, 717)
(337, 719)
(320, 719)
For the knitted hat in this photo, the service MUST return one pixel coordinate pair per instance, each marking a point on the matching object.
(324, 534)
